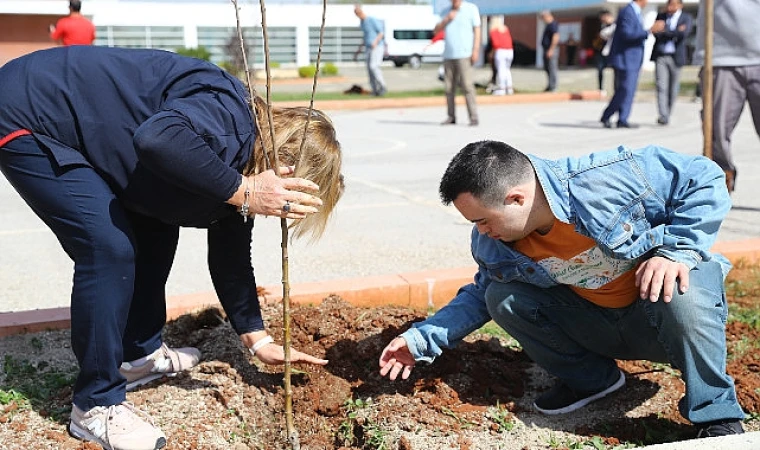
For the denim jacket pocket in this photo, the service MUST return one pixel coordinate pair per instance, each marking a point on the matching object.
(626, 235)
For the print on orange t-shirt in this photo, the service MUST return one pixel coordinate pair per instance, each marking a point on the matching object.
(576, 261)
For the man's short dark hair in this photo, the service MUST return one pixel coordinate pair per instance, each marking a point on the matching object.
(75, 5)
(485, 169)
(604, 12)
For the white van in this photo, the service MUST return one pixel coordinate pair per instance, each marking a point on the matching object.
(409, 42)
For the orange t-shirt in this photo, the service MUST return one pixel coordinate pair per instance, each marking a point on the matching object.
(576, 261)
(74, 30)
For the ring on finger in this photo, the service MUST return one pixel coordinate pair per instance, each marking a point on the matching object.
(286, 207)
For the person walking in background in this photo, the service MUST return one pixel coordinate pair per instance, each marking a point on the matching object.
(602, 44)
(461, 22)
(503, 54)
(736, 73)
(74, 29)
(669, 55)
(550, 46)
(569, 269)
(626, 57)
(374, 49)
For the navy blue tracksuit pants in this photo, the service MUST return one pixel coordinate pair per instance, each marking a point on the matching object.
(111, 320)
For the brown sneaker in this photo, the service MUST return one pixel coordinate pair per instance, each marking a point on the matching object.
(117, 427)
(164, 362)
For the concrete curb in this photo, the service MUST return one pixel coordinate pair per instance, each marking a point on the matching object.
(413, 102)
(419, 290)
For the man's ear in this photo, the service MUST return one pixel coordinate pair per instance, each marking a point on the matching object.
(515, 196)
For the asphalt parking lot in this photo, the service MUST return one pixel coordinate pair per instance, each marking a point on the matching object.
(390, 220)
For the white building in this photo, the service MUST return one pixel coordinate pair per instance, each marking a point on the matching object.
(293, 28)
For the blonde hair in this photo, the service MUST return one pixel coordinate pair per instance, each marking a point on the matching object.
(319, 162)
(496, 22)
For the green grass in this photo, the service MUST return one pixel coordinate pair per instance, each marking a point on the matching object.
(491, 329)
(35, 385)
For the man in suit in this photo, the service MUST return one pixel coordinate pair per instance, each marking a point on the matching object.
(669, 55)
(626, 56)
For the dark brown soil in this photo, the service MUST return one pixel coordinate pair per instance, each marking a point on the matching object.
(464, 400)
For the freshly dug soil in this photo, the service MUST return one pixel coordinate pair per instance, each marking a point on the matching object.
(477, 396)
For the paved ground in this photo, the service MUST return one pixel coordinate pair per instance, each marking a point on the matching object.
(390, 219)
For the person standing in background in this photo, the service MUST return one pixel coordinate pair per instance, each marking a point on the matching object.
(74, 29)
(602, 44)
(626, 56)
(736, 73)
(669, 55)
(550, 45)
(461, 22)
(503, 54)
(374, 48)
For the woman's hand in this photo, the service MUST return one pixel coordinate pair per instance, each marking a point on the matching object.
(270, 353)
(274, 354)
(272, 195)
(396, 358)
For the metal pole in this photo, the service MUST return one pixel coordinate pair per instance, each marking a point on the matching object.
(707, 82)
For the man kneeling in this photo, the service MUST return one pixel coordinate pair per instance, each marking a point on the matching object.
(587, 260)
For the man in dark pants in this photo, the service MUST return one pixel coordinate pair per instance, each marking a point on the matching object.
(669, 55)
(550, 46)
(582, 269)
(626, 56)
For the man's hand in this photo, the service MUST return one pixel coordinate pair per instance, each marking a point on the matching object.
(549, 52)
(658, 275)
(395, 358)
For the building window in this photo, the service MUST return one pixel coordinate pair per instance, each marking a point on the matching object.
(340, 43)
(224, 46)
(164, 38)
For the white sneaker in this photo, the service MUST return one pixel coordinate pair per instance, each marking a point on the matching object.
(499, 92)
(117, 427)
(164, 362)
(510, 91)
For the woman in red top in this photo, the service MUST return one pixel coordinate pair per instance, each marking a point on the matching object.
(501, 40)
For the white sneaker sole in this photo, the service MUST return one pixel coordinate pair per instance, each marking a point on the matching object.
(583, 402)
(83, 435)
(147, 379)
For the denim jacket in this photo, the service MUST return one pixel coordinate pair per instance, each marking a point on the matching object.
(634, 203)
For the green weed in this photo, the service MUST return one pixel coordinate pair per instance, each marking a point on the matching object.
(750, 316)
(501, 417)
(359, 429)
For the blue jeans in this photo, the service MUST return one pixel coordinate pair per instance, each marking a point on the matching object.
(578, 341)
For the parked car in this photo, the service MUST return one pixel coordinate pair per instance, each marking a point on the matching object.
(412, 46)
